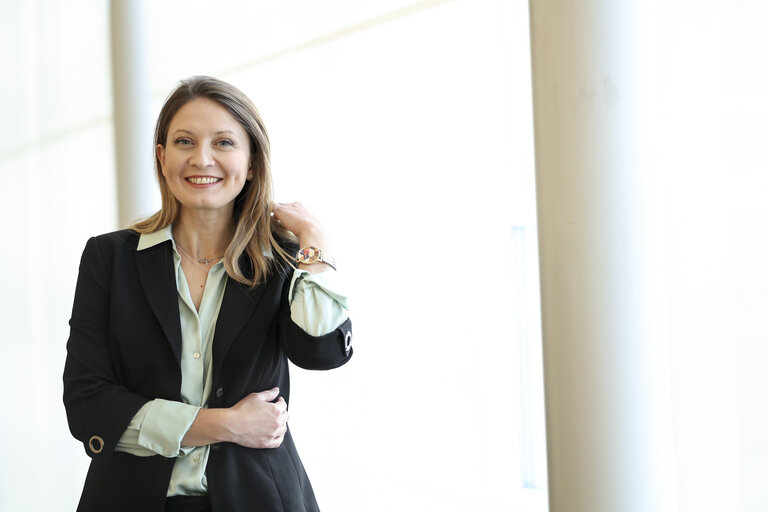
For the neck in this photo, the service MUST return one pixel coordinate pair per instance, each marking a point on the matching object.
(204, 234)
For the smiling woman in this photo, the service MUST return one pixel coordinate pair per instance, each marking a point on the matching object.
(206, 157)
(176, 378)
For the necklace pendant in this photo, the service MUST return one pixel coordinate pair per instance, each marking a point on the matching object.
(205, 261)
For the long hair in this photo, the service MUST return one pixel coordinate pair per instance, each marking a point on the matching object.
(250, 256)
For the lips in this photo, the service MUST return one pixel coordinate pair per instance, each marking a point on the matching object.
(202, 180)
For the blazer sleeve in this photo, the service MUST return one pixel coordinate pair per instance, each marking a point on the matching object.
(98, 407)
(312, 352)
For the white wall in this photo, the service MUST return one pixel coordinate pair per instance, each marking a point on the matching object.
(712, 167)
(56, 162)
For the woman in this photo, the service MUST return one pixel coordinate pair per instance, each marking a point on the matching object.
(176, 377)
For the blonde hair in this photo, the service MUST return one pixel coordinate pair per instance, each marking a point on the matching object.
(250, 256)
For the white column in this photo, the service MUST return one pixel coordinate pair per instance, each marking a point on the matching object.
(137, 190)
(606, 368)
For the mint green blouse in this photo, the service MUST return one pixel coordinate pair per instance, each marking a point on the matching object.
(160, 425)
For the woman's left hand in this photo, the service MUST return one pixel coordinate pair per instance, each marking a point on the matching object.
(296, 218)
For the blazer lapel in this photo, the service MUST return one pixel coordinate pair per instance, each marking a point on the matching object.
(237, 306)
(157, 277)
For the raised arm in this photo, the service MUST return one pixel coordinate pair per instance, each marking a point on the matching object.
(315, 330)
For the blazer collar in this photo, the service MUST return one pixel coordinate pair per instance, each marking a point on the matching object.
(157, 276)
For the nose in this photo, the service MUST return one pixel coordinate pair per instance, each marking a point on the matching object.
(202, 157)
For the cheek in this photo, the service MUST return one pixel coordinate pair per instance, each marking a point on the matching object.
(164, 163)
(244, 164)
(172, 166)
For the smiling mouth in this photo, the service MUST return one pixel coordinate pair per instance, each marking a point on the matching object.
(203, 180)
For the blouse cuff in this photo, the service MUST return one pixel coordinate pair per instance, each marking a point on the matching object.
(129, 441)
(317, 306)
(164, 426)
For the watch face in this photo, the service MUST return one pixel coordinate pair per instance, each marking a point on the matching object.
(308, 255)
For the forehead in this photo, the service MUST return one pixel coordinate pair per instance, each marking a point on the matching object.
(202, 115)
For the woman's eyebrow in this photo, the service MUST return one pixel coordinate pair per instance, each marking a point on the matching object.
(220, 132)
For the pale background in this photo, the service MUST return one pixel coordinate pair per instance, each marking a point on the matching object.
(407, 127)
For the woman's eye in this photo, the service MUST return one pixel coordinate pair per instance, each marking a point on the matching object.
(183, 142)
(226, 142)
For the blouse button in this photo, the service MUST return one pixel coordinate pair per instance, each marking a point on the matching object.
(196, 355)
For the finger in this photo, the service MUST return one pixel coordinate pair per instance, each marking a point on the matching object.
(285, 206)
(280, 433)
(282, 407)
(268, 395)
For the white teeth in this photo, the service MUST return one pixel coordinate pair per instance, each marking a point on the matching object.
(204, 180)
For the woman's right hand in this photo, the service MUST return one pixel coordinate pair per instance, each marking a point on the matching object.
(257, 422)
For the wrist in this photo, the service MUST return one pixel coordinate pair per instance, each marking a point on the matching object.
(219, 423)
(210, 426)
(226, 431)
(311, 234)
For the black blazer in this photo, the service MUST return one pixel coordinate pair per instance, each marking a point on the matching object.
(124, 349)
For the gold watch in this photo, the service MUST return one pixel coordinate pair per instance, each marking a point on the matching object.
(312, 254)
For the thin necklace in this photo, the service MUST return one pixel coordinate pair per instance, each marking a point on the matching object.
(204, 261)
(196, 264)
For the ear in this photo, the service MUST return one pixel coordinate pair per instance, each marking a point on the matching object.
(160, 151)
(249, 176)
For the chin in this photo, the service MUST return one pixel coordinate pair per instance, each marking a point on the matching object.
(207, 206)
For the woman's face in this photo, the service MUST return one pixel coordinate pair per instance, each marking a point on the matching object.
(206, 156)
